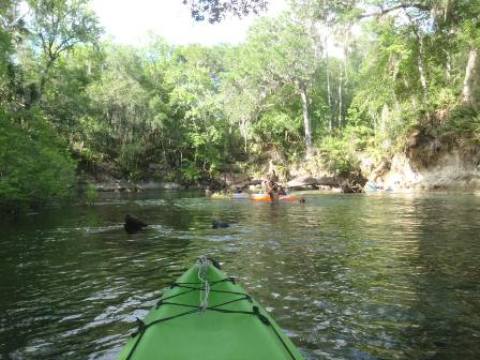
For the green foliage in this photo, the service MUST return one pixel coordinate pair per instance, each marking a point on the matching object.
(190, 173)
(188, 113)
(337, 155)
(280, 130)
(60, 25)
(464, 125)
(91, 194)
(6, 49)
(35, 166)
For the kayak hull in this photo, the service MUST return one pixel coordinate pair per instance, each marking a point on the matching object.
(266, 197)
(233, 326)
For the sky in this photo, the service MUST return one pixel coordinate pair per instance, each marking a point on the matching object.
(131, 21)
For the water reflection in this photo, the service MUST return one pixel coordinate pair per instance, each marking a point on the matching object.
(348, 277)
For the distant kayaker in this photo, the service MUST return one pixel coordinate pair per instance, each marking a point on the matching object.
(274, 190)
(270, 189)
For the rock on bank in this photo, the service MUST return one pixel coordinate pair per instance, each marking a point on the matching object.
(429, 164)
(451, 172)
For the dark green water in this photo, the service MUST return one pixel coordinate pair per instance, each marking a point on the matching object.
(347, 277)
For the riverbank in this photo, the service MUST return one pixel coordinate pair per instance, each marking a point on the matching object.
(447, 170)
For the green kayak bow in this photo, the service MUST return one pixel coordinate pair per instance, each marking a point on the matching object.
(206, 315)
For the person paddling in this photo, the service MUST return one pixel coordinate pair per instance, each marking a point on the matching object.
(274, 190)
(271, 189)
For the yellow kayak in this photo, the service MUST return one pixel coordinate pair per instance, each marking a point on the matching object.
(267, 198)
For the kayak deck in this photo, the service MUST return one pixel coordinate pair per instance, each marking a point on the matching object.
(232, 326)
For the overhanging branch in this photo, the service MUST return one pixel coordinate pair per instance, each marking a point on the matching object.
(383, 12)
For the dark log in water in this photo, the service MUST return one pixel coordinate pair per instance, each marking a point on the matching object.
(133, 225)
(219, 224)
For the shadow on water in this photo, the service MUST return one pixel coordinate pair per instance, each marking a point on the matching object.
(347, 277)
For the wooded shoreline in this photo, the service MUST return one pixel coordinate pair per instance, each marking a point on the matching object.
(385, 95)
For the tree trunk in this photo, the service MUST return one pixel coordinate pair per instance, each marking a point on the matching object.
(345, 53)
(306, 119)
(421, 68)
(329, 90)
(421, 56)
(340, 101)
(470, 81)
(243, 132)
(343, 79)
(44, 77)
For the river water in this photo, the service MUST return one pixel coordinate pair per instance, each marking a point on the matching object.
(347, 277)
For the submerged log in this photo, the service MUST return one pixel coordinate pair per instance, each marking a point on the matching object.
(216, 224)
(133, 225)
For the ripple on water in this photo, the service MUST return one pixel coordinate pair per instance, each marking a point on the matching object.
(346, 277)
(150, 202)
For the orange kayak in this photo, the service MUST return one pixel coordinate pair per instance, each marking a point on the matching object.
(266, 197)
